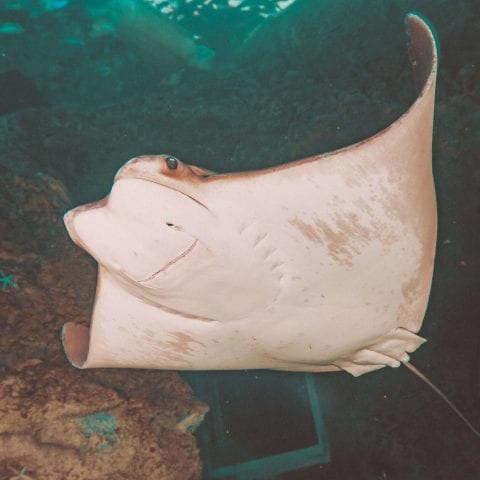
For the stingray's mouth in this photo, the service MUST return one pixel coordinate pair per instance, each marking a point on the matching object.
(172, 262)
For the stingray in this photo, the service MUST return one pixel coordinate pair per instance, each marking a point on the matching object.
(320, 264)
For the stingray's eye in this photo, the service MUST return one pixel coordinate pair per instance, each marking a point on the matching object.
(172, 162)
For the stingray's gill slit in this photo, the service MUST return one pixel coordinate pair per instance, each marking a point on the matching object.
(422, 377)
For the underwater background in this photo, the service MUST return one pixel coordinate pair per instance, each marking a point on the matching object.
(228, 85)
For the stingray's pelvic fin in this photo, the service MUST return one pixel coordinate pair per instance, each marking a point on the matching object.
(392, 349)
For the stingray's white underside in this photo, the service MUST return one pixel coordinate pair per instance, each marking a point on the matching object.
(321, 264)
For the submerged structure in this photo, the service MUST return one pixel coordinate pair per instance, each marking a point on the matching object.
(321, 264)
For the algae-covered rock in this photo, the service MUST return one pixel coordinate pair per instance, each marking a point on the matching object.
(58, 423)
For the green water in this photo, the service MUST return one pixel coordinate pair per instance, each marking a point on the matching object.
(225, 87)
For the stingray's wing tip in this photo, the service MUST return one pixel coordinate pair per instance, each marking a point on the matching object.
(417, 20)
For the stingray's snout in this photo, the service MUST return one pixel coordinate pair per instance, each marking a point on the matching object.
(70, 219)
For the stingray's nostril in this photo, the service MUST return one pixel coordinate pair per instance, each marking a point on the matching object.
(172, 163)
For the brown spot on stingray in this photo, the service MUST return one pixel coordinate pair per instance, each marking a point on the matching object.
(409, 289)
(341, 239)
(306, 230)
(182, 342)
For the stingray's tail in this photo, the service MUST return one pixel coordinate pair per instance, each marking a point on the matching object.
(420, 375)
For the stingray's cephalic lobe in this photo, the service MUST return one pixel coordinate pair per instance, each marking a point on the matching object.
(321, 264)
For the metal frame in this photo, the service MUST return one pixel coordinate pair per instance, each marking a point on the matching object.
(318, 453)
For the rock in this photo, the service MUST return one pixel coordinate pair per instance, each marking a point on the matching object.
(58, 423)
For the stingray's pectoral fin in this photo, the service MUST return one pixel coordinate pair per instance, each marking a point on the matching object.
(76, 339)
(391, 350)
